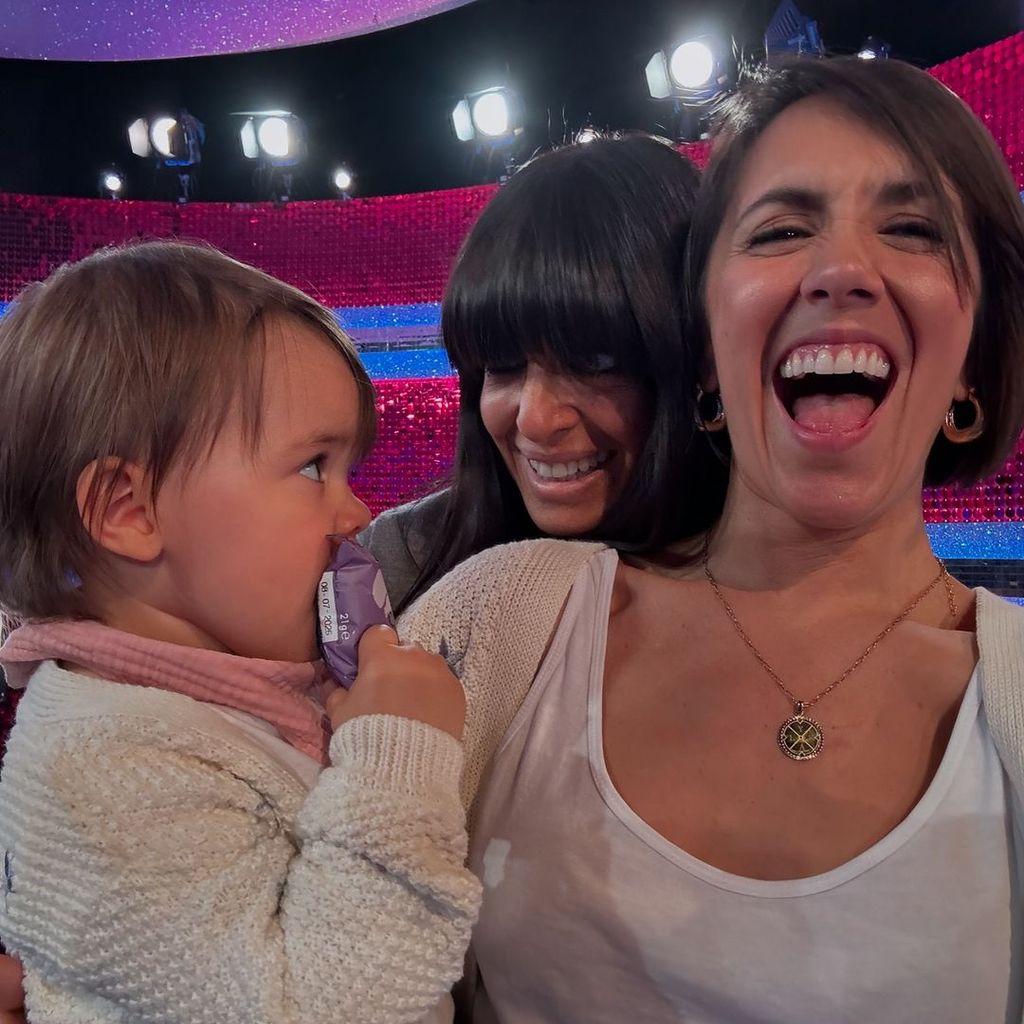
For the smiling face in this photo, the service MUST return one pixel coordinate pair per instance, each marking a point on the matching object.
(570, 441)
(837, 327)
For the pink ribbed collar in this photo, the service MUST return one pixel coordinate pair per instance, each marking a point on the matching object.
(288, 695)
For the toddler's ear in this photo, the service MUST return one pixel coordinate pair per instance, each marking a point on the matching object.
(116, 506)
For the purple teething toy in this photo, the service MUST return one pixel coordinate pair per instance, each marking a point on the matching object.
(351, 597)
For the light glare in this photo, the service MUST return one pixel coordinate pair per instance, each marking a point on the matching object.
(691, 65)
(491, 114)
(274, 137)
(342, 179)
(160, 135)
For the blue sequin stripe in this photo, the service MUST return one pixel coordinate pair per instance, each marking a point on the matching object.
(395, 342)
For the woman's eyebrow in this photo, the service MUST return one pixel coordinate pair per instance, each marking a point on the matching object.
(805, 200)
(896, 193)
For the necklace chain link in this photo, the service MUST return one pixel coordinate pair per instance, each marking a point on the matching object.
(802, 705)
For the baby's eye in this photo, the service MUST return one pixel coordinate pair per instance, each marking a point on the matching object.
(314, 469)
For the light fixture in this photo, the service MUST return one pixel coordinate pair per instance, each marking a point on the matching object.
(873, 49)
(276, 139)
(792, 33)
(275, 136)
(492, 116)
(342, 180)
(171, 141)
(111, 182)
(174, 143)
(694, 72)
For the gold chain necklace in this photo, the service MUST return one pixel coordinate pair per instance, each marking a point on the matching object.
(800, 737)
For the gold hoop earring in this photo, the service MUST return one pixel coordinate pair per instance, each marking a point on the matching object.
(716, 422)
(957, 434)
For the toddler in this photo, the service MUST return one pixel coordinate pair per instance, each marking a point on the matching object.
(186, 836)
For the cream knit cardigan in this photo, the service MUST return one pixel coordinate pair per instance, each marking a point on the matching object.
(159, 867)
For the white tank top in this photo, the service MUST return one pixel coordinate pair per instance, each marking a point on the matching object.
(590, 915)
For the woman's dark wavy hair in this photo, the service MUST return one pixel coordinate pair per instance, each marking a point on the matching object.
(578, 256)
(950, 149)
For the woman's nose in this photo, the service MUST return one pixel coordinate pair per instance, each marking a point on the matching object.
(842, 272)
(546, 404)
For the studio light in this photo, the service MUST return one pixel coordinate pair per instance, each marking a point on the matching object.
(694, 72)
(275, 136)
(171, 141)
(873, 49)
(342, 180)
(111, 182)
(276, 140)
(492, 116)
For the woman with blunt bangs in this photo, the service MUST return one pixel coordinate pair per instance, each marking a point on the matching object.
(775, 775)
(563, 320)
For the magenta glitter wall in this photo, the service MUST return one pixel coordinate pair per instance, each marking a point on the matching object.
(398, 250)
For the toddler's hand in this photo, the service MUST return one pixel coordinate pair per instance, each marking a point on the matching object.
(400, 679)
(11, 994)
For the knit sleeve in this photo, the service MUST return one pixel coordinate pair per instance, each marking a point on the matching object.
(167, 885)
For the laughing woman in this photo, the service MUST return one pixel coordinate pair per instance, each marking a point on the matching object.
(776, 775)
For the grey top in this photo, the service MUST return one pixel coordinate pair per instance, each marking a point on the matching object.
(400, 539)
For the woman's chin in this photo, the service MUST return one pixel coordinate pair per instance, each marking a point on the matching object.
(834, 504)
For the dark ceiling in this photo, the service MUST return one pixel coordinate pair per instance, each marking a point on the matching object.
(380, 103)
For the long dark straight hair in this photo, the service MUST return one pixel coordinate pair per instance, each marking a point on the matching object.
(578, 257)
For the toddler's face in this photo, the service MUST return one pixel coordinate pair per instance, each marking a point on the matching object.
(246, 534)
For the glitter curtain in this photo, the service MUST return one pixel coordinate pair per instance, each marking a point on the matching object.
(382, 264)
(154, 29)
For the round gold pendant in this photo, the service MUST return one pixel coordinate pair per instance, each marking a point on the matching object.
(800, 738)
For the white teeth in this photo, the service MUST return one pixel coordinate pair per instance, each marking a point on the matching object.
(825, 363)
(565, 470)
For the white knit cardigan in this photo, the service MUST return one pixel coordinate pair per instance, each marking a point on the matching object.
(160, 868)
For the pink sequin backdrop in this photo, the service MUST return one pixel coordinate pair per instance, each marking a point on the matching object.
(398, 250)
